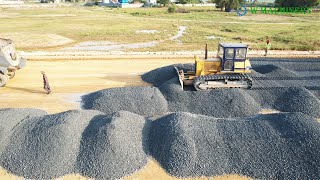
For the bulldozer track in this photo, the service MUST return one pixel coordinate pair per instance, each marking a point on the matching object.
(217, 77)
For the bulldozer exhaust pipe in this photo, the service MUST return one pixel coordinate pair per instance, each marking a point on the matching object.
(206, 52)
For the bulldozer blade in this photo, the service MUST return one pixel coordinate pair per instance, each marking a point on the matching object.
(180, 76)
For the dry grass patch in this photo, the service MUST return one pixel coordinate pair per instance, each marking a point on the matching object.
(26, 39)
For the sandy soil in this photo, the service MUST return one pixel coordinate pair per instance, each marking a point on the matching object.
(69, 83)
(268, 111)
(8, 15)
(151, 171)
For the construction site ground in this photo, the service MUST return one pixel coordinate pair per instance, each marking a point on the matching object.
(70, 79)
(81, 53)
(69, 83)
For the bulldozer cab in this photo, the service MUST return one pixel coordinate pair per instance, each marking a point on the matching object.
(229, 53)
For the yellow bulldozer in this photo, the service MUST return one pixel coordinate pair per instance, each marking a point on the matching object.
(229, 69)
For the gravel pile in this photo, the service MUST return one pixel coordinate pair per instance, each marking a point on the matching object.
(273, 70)
(288, 100)
(217, 103)
(149, 101)
(274, 86)
(160, 75)
(305, 67)
(114, 146)
(299, 100)
(87, 142)
(146, 101)
(274, 146)
(10, 118)
(256, 74)
(46, 147)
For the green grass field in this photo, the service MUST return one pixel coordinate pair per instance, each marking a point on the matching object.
(287, 32)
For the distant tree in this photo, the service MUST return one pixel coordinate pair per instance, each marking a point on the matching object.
(228, 5)
(220, 4)
(172, 8)
(164, 2)
(296, 3)
(183, 1)
(189, 1)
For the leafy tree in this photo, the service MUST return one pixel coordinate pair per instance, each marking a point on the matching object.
(172, 8)
(183, 1)
(228, 5)
(164, 2)
(189, 1)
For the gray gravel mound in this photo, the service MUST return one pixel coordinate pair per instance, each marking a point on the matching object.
(10, 118)
(286, 99)
(146, 101)
(113, 146)
(160, 75)
(298, 100)
(46, 147)
(216, 103)
(273, 86)
(273, 70)
(274, 146)
(256, 74)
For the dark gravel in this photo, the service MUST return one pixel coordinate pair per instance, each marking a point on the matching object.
(160, 75)
(113, 146)
(274, 71)
(46, 147)
(286, 99)
(87, 142)
(275, 146)
(271, 89)
(146, 101)
(277, 84)
(10, 118)
(299, 100)
(217, 103)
